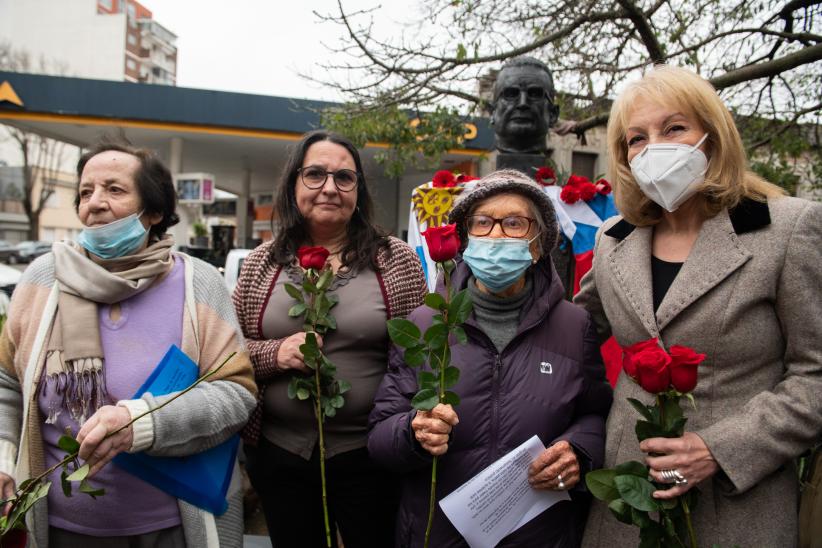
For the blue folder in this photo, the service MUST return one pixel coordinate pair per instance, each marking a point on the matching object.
(200, 479)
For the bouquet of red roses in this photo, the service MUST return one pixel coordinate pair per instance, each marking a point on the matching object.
(669, 375)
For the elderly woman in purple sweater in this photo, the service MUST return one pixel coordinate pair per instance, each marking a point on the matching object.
(88, 324)
(531, 366)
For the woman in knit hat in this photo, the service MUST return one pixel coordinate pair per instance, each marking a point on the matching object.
(531, 366)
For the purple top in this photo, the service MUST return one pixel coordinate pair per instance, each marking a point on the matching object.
(132, 346)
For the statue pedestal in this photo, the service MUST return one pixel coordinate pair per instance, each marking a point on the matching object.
(526, 163)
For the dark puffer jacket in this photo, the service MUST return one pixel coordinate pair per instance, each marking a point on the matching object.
(506, 398)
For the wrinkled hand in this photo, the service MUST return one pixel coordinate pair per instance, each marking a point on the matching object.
(94, 449)
(432, 428)
(688, 455)
(557, 460)
(289, 355)
(6, 491)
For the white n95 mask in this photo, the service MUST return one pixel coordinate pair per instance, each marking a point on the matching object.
(670, 173)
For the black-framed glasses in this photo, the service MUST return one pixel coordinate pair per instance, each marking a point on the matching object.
(314, 177)
(514, 226)
(532, 93)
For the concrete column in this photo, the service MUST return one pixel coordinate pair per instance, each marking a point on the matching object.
(244, 221)
(175, 165)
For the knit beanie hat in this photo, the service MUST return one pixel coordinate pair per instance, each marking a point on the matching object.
(502, 182)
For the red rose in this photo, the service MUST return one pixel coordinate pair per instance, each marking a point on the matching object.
(629, 351)
(569, 194)
(603, 187)
(577, 180)
(444, 178)
(684, 364)
(653, 373)
(545, 176)
(443, 242)
(312, 257)
(587, 191)
(463, 178)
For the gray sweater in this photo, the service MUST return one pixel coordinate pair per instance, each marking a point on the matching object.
(499, 316)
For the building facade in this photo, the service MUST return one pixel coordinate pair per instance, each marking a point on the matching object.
(100, 39)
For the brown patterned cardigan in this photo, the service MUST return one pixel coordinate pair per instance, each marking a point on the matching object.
(401, 280)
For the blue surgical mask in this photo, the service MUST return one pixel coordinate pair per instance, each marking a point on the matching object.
(115, 239)
(497, 262)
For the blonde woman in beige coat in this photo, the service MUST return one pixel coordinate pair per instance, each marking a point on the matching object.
(709, 255)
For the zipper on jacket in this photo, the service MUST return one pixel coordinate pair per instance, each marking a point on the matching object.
(495, 406)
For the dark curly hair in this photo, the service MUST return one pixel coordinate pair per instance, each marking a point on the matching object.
(155, 184)
(364, 238)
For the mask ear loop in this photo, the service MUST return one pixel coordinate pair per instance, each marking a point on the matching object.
(699, 143)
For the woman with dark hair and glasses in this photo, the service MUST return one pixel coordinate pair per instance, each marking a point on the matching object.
(323, 200)
(531, 366)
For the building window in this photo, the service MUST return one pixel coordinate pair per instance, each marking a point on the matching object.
(131, 65)
(264, 199)
(584, 164)
(132, 40)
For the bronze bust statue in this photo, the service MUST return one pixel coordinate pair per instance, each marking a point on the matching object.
(523, 107)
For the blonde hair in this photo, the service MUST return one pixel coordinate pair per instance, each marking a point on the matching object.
(728, 179)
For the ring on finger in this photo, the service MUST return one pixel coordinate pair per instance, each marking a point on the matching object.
(561, 484)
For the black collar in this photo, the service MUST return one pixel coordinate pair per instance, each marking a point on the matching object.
(748, 216)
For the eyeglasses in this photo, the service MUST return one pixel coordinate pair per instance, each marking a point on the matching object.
(314, 177)
(532, 93)
(513, 227)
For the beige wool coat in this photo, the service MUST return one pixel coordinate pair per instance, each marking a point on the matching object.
(749, 297)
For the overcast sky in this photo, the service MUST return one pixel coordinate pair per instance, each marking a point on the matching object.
(258, 46)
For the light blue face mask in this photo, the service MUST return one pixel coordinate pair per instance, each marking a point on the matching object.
(498, 262)
(115, 239)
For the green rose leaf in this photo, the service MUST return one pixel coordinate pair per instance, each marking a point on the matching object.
(640, 518)
(645, 430)
(427, 379)
(459, 334)
(636, 492)
(292, 388)
(452, 375)
(68, 444)
(93, 492)
(403, 332)
(332, 299)
(79, 474)
(435, 301)
(303, 394)
(343, 386)
(337, 401)
(425, 400)
(294, 292)
(460, 308)
(436, 336)
(450, 398)
(415, 356)
(642, 409)
(601, 484)
(64, 482)
(325, 280)
(620, 510)
(632, 468)
(672, 412)
(297, 310)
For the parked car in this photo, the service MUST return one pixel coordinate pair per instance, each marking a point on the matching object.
(25, 252)
(6, 251)
(233, 264)
(9, 277)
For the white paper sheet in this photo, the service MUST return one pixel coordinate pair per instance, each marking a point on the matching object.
(498, 501)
